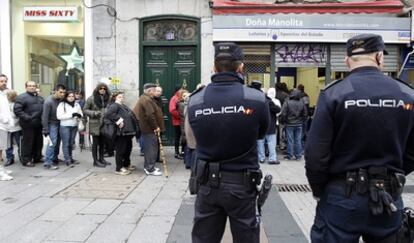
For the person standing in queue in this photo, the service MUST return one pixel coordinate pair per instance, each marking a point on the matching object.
(29, 108)
(151, 123)
(227, 118)
(127, 124)
(95, 108)
(360, 146)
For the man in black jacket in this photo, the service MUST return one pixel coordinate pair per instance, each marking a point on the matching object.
(293, 116)
(227, 119)
(360, 145)
(28, 108)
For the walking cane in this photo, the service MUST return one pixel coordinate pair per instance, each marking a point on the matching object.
(162, 155)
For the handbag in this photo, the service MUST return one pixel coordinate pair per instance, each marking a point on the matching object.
(81, 126)
(108, 129)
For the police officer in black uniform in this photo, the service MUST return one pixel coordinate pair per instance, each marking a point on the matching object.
(227, 118)
(360, 146)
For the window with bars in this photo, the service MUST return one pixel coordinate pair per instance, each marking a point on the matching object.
(257, 63)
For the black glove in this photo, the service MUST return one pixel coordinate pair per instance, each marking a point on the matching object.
(75, 114)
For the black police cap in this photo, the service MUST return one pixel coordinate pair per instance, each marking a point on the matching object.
(228, 51)
(368, 42)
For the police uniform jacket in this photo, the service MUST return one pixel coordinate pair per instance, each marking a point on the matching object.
(227, 118)
(365, 120)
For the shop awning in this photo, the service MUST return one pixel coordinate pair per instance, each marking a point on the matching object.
(221, 7)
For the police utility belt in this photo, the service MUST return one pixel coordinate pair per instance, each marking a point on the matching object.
(381, 184)
(209, 173)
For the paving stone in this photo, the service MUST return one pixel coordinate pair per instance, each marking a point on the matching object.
(111, 233)
(166, 207)
(127, 213)
(102, 185)
(146, 232)
(36, 231)
(146, 191)
(65, 210)
(15, 220)
(78, 228)
(101, 206)
(9, 204)
(36, 191)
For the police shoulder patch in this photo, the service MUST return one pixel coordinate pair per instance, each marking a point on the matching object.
(331, 84)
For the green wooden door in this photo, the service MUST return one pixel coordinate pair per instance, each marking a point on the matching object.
(170, 67)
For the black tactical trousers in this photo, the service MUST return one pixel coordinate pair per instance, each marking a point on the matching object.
(343, 219)
(214, 205)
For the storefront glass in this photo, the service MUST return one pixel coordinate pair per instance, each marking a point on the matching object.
(48, 44)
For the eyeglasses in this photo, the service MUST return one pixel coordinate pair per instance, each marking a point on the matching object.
(102, 88)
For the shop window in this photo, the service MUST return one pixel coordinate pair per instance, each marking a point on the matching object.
(48, 49)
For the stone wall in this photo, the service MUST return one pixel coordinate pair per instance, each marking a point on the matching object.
(116, 42)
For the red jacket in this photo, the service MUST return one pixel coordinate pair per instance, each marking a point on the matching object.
(175, 115)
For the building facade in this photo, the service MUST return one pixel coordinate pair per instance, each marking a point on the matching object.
(305, 43)
(131, 42)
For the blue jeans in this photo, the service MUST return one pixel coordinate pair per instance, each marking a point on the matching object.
(14, 137)
(140, 141)
(52, 148)
(271, 144)
(68, 135)
(294, 137)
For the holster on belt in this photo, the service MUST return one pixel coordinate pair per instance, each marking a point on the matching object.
(350, 182)
(383, 186)
(198, 176)
(362, 184)
(380, 190)
(213, 174)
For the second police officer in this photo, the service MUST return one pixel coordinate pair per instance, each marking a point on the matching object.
(360, 146)
(227, 119)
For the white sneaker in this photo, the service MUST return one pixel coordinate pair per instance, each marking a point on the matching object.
(157, 169)
(154, 172)
(123, 171)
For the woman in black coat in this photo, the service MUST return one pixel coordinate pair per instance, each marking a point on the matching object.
(127, 125)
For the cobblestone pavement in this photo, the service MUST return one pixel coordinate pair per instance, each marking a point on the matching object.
(88, 204)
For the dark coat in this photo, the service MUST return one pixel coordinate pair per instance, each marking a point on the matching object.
(117, 112)
(294, 112)
(95, 108)
(28, 108)
(149, 114)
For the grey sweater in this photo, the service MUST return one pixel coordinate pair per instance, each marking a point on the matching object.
(49, 114)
